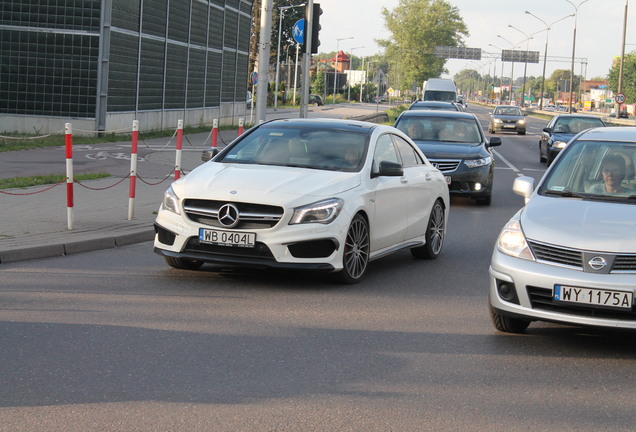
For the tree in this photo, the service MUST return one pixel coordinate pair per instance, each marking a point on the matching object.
(628, 83)
(290, 16)
(416, 27)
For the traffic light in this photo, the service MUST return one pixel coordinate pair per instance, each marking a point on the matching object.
(315, 29)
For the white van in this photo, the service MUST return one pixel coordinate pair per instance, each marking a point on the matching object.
(440, 89)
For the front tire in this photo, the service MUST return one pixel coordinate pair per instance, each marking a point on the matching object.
(507, 324)
(355, 257)
(435, 232)
(183, 264)
(541, 158)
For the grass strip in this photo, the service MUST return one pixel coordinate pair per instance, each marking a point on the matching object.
(23, 182)
(27, 142)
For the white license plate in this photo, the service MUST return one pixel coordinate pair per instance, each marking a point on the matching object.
(227, 238)
(448, 179)
(509, 126)
(593, 296)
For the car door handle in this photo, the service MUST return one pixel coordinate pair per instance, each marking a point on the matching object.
(404, 180)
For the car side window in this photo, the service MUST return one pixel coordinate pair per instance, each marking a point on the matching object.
(384, 151)
(407, 152)
(551, 123)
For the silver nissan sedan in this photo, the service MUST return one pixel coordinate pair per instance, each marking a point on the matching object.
(569, 255)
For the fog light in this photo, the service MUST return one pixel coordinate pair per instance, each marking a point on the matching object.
(477, 186)
(507, 291)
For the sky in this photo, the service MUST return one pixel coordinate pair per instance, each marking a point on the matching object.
(599, 27)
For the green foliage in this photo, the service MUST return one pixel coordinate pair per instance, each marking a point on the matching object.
(628, 82)
(22, 182)
(16, 142)
(318, 83)
(394, 112)
(416, 27)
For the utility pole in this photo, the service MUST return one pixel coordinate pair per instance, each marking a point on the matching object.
(264, 48)
(309, 20)
(620, 69)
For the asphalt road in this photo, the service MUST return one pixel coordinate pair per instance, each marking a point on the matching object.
(115, 340)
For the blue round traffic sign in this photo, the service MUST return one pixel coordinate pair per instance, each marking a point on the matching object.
(298, 31)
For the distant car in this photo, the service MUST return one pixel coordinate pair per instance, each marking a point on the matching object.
(315, 100)
(549, 108)
(434, 105)
(561, 129)
(307, 194)
(621, 114)
(455, 143)
(507, 118)
(569, 256)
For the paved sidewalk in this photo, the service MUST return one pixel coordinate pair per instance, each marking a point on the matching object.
(34, 223)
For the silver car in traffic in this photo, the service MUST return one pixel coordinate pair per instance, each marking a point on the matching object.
(569, 255)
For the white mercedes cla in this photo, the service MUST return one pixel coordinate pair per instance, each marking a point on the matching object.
(313, 194)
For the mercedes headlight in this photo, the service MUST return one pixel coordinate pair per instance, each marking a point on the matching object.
(521, 122)
(323, 212)
(476, 163)
(559, 144)
(512, 241)
(171, 201)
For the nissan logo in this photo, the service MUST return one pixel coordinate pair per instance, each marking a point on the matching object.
(597, 263)
(228, 215)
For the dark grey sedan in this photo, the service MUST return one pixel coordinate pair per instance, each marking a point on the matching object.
(507, 118)
(455, 143)
(562, 129)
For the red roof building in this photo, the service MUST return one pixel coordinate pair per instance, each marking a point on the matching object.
(343, 60)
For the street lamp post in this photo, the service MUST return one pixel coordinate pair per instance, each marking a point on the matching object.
(512, 71)
(335, 75)
(545, 54)
(349, 77)
(576, 11)
(525, 68)
(282, 9)
(501, 77)
(620, 68)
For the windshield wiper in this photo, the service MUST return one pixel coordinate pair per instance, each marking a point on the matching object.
(563, 193)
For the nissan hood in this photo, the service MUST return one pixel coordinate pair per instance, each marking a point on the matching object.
(599, 226)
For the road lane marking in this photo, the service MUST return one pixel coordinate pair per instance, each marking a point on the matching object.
(511, 166)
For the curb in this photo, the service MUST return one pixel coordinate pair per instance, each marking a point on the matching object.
(55, 250)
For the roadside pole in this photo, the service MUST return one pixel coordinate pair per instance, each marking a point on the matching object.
(263, 60)
(309, 18)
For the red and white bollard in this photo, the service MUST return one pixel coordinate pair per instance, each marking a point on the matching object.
(215, 132)
(68, 130)
(133, 169)
(240, 129)
(177, 165)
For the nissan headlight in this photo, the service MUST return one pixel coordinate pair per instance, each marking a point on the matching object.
(323, 212)
(497, 121)
(512, 241)
(171, 201)
(559, 144)
(476, 163)
(521, 122)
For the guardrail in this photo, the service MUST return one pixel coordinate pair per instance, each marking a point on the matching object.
(133, 175)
